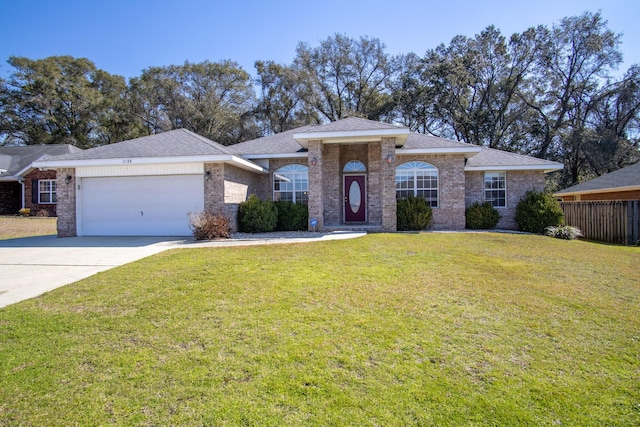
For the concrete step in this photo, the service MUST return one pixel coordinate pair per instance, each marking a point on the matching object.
(353, 227)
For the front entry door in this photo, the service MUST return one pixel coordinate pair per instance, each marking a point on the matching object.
(354, 198)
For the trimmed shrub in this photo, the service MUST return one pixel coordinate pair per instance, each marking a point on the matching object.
(481, 216)
(566, 232)
(537, 211)
(413, 214)
(292, 216)
(257, 216)
(209, 226)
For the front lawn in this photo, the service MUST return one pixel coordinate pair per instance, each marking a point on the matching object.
(388, 329)
(12, 227)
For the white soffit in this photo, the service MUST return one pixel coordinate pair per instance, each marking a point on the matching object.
(353, 136)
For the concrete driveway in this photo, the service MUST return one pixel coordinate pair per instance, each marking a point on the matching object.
(31, 266)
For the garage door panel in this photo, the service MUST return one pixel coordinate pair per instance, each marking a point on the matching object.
(140, 205)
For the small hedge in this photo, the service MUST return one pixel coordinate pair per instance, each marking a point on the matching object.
(413, 214)
(537, 211)
(257, 216)
(565, 232)
(481, 216)
(292, 216)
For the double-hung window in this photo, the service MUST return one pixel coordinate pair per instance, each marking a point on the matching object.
(495, 189)
(47, 191)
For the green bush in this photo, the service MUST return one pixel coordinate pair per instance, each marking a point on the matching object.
(537, 211)
(209, 226)
(257, 216)
(481, 216)
(413, 214)
(292, 216)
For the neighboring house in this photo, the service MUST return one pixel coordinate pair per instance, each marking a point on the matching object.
(24, 186)
(348, 172)
(623, 184)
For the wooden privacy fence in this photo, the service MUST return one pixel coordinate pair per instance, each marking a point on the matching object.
(615, 221)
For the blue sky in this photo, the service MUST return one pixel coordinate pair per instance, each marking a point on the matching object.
(124, 37)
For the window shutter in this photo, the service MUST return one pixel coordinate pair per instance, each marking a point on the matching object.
(34, 191)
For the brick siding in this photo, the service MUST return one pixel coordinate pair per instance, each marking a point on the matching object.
(449, 215)
(518, 183)
(38, 209)
(226, 187)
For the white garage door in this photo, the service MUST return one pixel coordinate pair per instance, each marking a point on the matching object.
(140, 205)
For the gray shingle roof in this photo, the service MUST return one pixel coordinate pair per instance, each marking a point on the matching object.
(174, 143)
(489, 157)
(280, 143)
(183, 143)
(625, 177)
(15, 159)
(422, 141)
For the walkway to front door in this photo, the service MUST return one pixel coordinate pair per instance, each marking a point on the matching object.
(355, 198)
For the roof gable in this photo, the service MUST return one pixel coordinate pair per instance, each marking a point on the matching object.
(354, 124)
(353, 130)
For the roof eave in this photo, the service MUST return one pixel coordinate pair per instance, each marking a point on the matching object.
(303, 155)
(219, 158)
(596, 191)
(545, 168)
(467, 151)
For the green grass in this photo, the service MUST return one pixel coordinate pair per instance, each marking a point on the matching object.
(388, 329)
(12, 227)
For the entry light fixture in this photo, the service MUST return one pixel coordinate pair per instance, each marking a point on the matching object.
(314, 161)
(389, 158)
(67, 179)
(207, 175)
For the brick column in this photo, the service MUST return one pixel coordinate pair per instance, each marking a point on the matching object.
(66, 209)
(374, 186)
(214, 187)
(316, 198)
(388, 183)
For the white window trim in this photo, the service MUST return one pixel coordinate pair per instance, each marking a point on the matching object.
(51, 192)
(484, 189)
(354, 167)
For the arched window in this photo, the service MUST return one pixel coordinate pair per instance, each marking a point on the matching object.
(291, 183)
(354, 166)
(418, 179)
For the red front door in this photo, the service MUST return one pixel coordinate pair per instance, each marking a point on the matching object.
(354, 198)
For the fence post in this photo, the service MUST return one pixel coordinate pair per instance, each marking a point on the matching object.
(633, 222)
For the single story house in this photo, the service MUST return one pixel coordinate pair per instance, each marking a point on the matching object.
(349, 173)
(623, 184)
(24, 186)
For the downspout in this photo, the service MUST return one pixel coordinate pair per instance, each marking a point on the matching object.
(21, 181)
